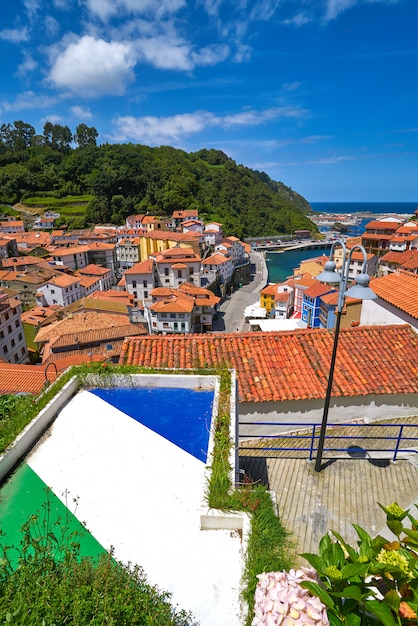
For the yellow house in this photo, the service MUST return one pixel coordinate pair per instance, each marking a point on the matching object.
(268, 297)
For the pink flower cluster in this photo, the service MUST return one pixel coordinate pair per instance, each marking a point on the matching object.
(281, 601)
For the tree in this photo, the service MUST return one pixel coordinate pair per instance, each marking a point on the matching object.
(85, 135)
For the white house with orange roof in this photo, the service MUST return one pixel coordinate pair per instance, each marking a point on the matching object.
(135, 221)
(205, 304)
(216, 267)
(192, 226)
(405, 238)
(393, 261)
(102, 274)
(213, 233)
(140, 280)
(356, 262)
(236, 249)
(62, 290)
(12, 338)
(12, 226)
(128, 252)
(176, 266)
(171, 311)
(74, 258)
(181, 215)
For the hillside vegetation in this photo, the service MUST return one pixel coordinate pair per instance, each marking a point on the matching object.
(109, 182)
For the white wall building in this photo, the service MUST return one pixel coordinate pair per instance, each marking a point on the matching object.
(176, 266)
(61, 290)
(140, 280)
(12, 339)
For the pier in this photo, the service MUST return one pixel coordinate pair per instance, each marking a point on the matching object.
(274, 244)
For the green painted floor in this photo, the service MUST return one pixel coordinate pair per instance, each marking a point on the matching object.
(25, 495)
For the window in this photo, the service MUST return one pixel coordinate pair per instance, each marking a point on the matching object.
(179, 274)
(1, 334)
(5, 349)
(16, 358)
(52, 290)
(172, 316)
(9, 329)
(17, 324)
(145, 283)
(13, 342)
(166, 271)
(176, 326)
(135, 295)
(163, 314)
(134, 284)
(181, 316)
(166, 325)
(190, 270)
(145, 294)
(183, 326)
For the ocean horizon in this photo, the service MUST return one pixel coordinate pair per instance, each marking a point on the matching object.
(398, 208)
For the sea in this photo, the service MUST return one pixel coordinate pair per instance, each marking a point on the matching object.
(280, 265)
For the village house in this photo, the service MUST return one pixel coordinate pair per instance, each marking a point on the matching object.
(378, 234)
(216, 268)
(11, 226)
(311, 304)
(140, 280)
(176, 266)
(61, 290)
(102, 276)
(213, 233)
(394, 261)
(12, 338)
(170, 312)
(128, 253)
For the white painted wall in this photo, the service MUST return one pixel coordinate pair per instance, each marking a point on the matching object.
(380, 313)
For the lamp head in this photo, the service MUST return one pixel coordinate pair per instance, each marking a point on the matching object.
(329, 275)
(361, 289)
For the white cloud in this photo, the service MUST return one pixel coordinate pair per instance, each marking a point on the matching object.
(157, 8)
(160, 130)
(92, 67)
(335, 7)
(292, 86)
(210, 55)
(166, 54)
(14, 35)
(300, 19)
(27, 66)
(52, 26)
(28, 100)
(81, 112)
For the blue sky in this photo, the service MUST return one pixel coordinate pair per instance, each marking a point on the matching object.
(320, 94)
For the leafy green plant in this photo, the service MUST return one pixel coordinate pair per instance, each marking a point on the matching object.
(374, 583)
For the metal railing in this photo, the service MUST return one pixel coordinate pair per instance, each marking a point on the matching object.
(348, 439)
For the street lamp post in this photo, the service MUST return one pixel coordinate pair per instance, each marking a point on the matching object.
(359, 290)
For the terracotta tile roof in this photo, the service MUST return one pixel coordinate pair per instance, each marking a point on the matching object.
(215, 259)
(177, 302)
(177, 255)
(144, 267)
(93, 270)
(374, 237)
(20, 261)
(292, 365)
(63, 280)
(316, 290)
(378, 224)
(270, 290)
(101, 335)
(23, 378)
(407, 259)
(39, 314)
(79, 322)
(400, 289)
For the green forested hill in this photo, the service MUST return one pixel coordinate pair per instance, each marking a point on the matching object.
(123, 179)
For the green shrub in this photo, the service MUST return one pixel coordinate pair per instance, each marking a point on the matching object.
(374, 583)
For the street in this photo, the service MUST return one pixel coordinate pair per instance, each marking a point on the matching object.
(231, 312)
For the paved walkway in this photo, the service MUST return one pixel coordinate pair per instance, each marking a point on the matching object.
(231, 312)
(343, 493)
